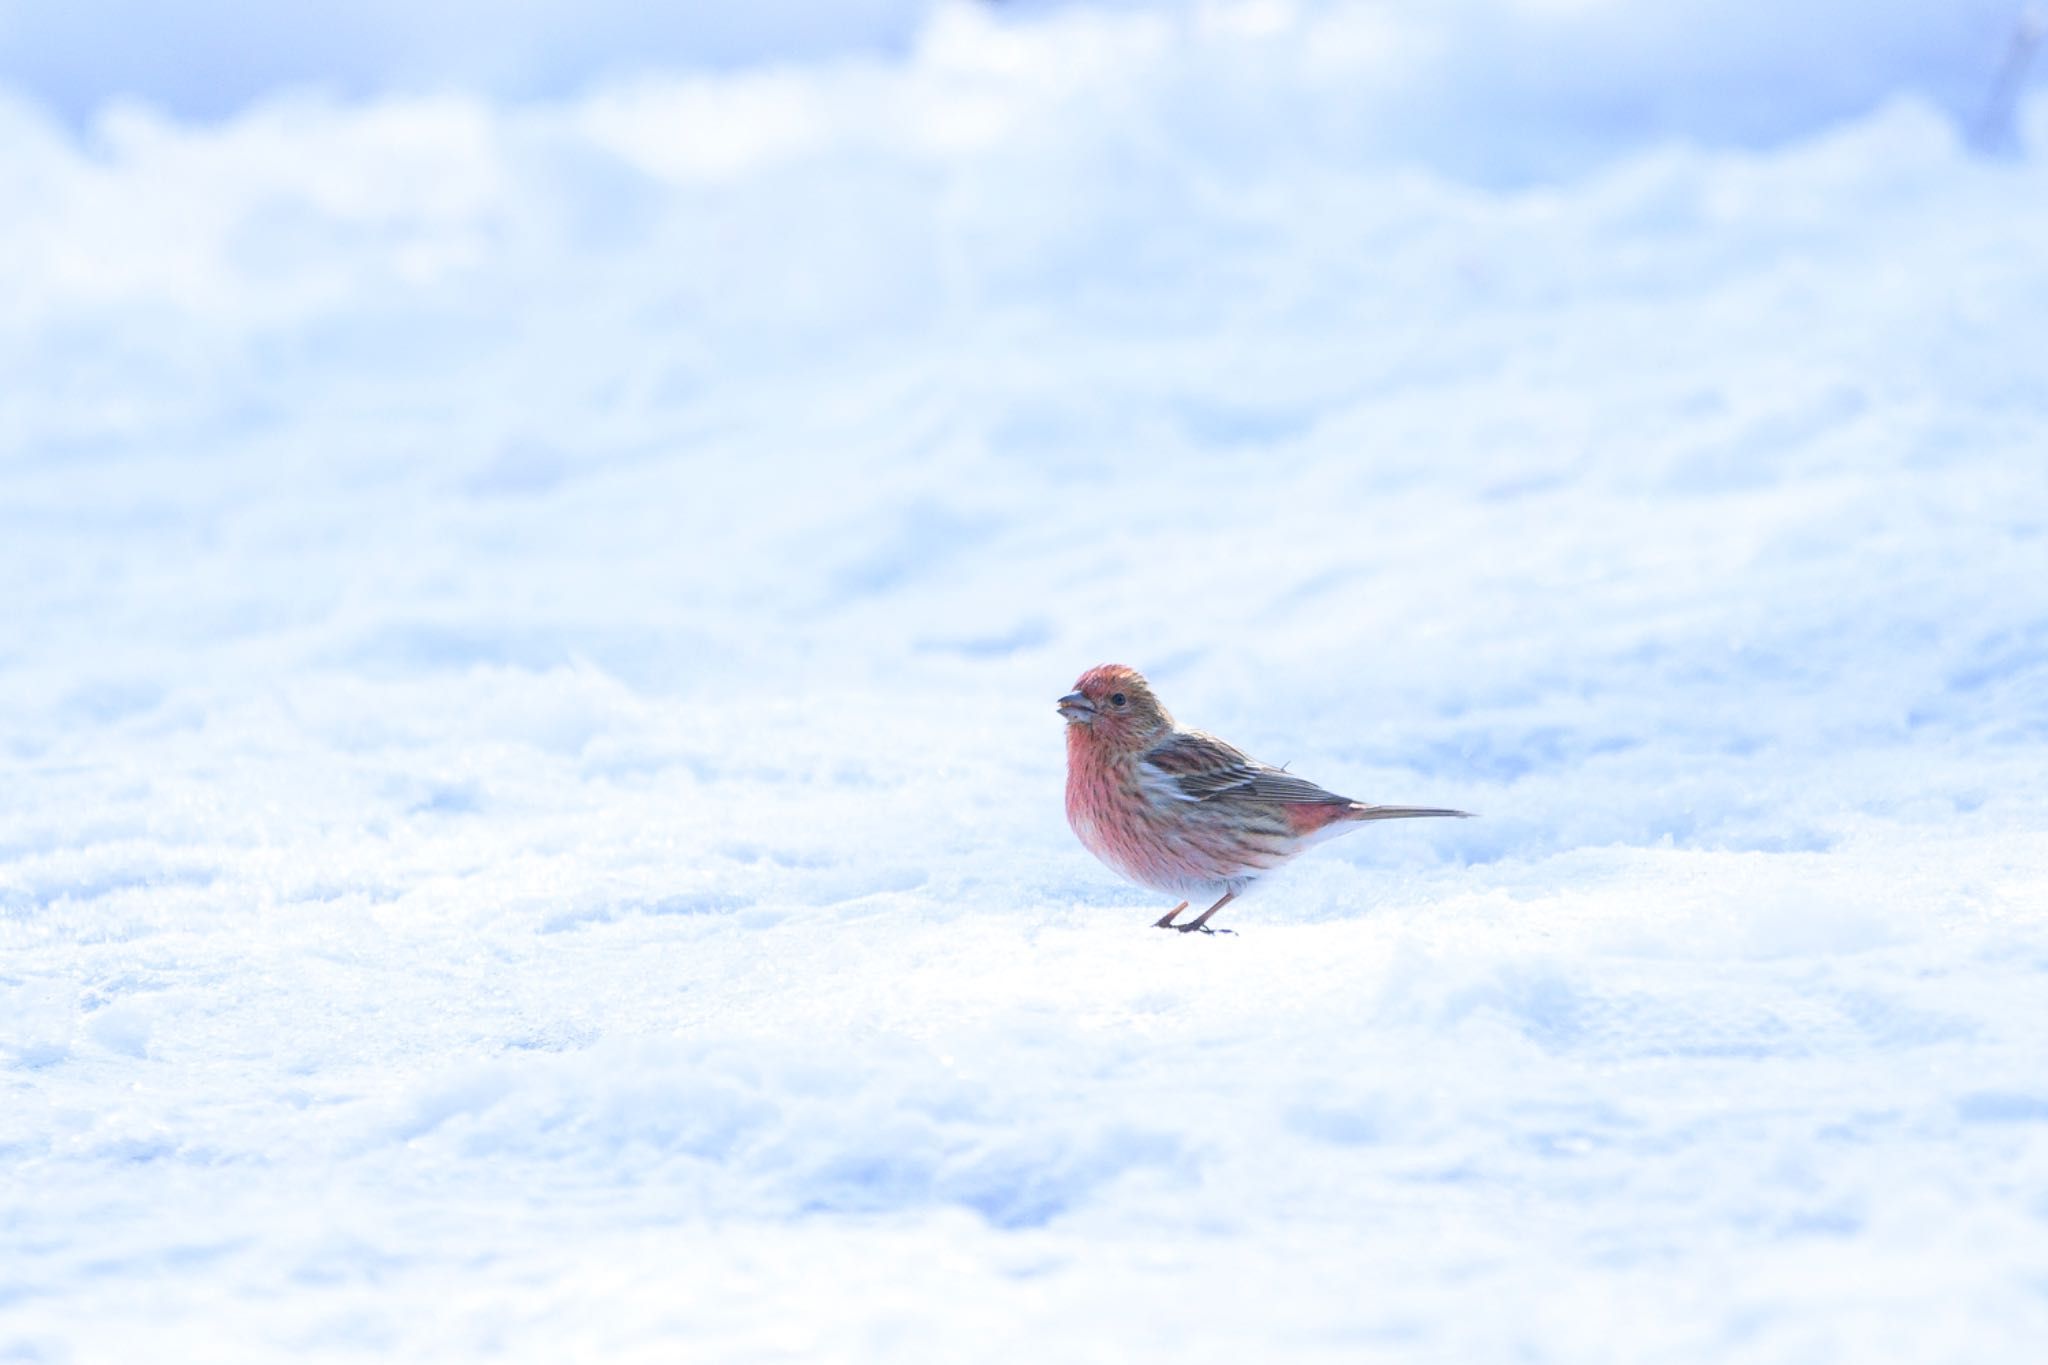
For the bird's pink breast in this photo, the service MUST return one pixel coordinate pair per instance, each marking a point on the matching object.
(1163, 842)
(1098, 799)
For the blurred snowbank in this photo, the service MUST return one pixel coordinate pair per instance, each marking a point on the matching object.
(206, 59)
(1488, 89)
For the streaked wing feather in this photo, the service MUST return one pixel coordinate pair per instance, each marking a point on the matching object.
(1193, 766)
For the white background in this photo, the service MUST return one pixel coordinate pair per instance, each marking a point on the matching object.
(530, 815)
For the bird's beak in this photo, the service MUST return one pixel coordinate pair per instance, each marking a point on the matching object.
(1077, 708)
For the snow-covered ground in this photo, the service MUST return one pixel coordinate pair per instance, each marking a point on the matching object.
(530, 816)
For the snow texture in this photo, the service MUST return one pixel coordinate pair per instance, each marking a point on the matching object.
(530, 817)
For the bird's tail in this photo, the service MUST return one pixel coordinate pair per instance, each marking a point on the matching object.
(1359, 811)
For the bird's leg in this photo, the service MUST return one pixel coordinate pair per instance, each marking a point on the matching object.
(1166, 922)
(1200, 922)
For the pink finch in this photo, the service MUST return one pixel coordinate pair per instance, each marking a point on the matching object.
(1180, 811)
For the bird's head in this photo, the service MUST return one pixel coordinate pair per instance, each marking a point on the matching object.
(1113, 706)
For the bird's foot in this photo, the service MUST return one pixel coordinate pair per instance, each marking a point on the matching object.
(1165, 921)
(1201, 921)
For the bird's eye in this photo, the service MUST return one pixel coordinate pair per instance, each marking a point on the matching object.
(1116, 699)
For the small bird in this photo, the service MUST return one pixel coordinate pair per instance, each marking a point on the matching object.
(1181, 811)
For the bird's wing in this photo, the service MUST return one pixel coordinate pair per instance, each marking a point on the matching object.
(1189, 765)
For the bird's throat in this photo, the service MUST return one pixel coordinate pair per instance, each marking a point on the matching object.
(1092, 781)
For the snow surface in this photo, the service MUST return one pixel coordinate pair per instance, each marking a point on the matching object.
(530, 812)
